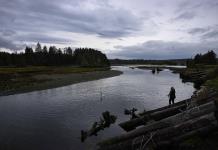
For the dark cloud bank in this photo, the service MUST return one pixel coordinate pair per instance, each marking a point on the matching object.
(38, 20)
(163, 50)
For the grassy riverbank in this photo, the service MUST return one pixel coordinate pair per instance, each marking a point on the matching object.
(202, 75)
(25, 79)
(213, 80)
(213, 83)
(209, 141)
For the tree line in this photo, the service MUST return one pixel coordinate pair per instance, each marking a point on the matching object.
(208, 58)
(52, 56)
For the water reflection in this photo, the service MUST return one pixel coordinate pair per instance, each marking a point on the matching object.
(52, 119)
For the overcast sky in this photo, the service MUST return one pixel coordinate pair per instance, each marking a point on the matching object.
(148, 29)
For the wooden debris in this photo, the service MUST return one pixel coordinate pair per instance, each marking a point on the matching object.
(132, 113)
(107, 120)
(169, 135)
(165, 112)
(164, 123)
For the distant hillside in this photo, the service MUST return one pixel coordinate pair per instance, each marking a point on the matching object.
(153, 62)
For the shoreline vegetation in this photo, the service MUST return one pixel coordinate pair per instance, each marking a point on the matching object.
(27, 79)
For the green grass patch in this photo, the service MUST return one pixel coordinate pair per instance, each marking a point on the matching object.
(48, 70)
(193, 141)
(213, 83)
(17, 77)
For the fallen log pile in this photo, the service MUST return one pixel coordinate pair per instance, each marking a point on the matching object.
(160, 113)
(166, 126)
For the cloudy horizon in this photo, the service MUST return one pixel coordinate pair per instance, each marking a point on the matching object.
(158, 29)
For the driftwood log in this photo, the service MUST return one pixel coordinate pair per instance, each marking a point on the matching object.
(169, 135)
(178, 132)
(201, 98)
(164, 123)
(164, 112)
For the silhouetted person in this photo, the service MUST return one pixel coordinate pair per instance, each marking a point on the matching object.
(172, 95)
(153, 70)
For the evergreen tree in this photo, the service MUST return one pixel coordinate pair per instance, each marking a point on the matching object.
(52, 50)
(59, 51)
(69, 51)
(38, 48)
(28, 50)
(45, 50)
(90, 57)
(207, 58)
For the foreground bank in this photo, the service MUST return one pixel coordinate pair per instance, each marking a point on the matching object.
(27, 79)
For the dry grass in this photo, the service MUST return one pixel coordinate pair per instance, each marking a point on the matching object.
(47, 70)
(12, 78)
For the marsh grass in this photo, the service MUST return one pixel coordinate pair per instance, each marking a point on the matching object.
(12, 78)
(213, 83)
(48, 70)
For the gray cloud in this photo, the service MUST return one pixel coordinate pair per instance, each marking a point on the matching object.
(34, 37)
(197, 10)
(206, 33)
(185, 16)
(163, 50)
(7, 33)
(34, 20)
(211, 35)
(8, 44)
(198, 30)
(42, 15)
(9, 39)
(187, 5)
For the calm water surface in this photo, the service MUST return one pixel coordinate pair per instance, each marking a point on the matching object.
(52, 119)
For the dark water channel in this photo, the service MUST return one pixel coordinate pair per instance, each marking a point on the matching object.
(52, 119)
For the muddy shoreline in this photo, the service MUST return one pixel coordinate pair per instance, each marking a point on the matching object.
(59, 80)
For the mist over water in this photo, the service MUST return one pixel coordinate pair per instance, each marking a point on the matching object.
(52, 119)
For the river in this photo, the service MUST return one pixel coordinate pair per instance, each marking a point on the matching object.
(52, 119)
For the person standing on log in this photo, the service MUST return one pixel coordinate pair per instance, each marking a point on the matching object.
(172, 95)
